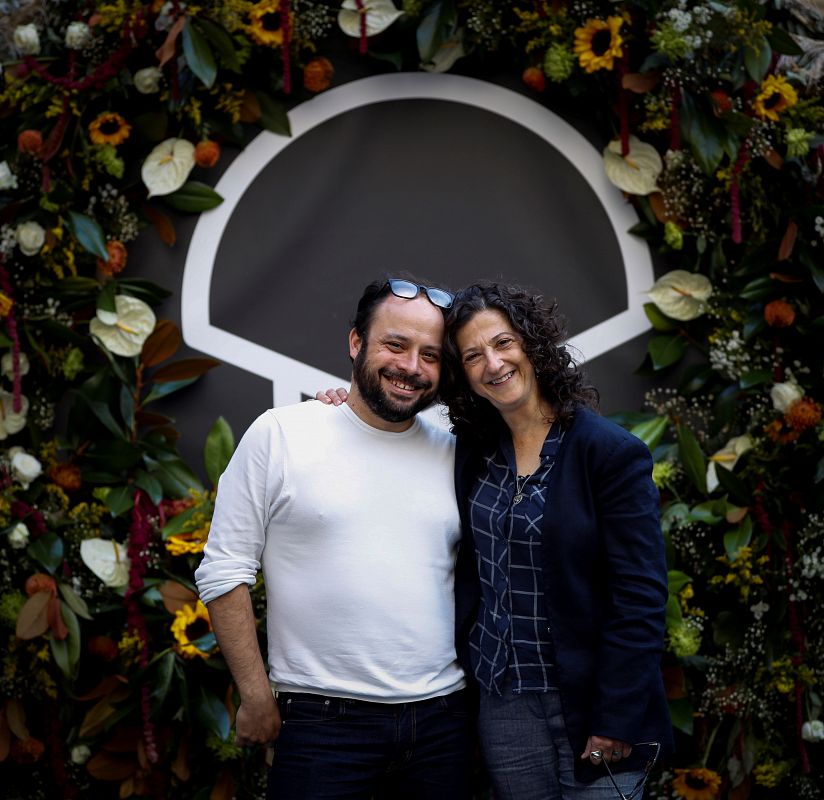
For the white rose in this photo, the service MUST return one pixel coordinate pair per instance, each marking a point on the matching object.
(783, 395)
(813, 731)
(8, 180)
(7, 365)
(78, 35)
(147, 80)
(25, 468)
(31, 237)
(19, 536)
(27, 39)
(80, 754)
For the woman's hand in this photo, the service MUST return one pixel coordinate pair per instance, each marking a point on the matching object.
(600, 747)
(332, 397)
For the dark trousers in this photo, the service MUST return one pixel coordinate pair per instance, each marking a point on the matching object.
(331, 747)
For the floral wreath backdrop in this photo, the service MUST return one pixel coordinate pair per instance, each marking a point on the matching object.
(111, 683)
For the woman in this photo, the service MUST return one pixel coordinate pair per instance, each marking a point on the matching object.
(563, 514)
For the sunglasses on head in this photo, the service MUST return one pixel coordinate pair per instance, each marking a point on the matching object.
(409, 291)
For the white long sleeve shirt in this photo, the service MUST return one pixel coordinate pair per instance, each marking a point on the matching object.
(357, 531)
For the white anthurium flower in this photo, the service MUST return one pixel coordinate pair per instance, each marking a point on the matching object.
(727, 457)
(783, 395)
(8, 180)
(108, 560)
(78, 35)
(637, 172)
(168, 166)
(27, 39)
(147, 80)
(7, 365)
(813, 731)
(380, 14)
(12, 421)
(446, 55)
(24, 467)
(680, 294)
(31, 236)
(123, 331)
(19, 536)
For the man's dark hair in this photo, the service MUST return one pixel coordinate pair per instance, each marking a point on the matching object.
(542, 330)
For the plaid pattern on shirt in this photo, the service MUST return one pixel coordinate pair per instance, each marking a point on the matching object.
(511, 635)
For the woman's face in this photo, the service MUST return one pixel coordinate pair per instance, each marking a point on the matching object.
(494, 362)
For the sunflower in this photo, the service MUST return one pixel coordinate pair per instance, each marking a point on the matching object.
(696, 784)
(598, 43)
(266, 23)
(191, 623)
(189, 542)
(776, 95)
(109, 128)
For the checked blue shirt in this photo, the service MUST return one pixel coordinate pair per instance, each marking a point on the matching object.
(511, 636)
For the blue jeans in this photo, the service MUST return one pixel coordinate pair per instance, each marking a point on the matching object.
(332, 747)
(527, 753)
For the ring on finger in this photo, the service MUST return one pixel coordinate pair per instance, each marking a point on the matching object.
(595, 755)
(616, 754)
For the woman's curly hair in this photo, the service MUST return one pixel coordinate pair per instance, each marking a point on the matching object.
(542, 331)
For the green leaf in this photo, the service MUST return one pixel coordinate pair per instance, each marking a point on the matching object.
(704, 133)
(165, 389)
(740, 537)
(150, 485)
(105, 300)
(47, 550)
(193, 197)
(163, 677)
(176, 478)
(819, 471)
(677, 580)
(127, 406)
(674, 615)
(733, 486)
(782, 42)
(153, 125)
(682, 714)
(666, 350)
(179, 522)
(74, 601)
(220, 444)
(143, 290)
(659, 320)
(273, 114)
(89, 234)
(692, 457)
(727, 628)
(102, 411)
(694, 378)
(651, 432)
(198, 54)
(119, 500)
(220, 41)
(757, 61)
(213, 714)
(66, 652)
(755, 378)
(706, 512)
(674, 514)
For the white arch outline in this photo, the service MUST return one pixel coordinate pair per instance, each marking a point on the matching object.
(291, 378)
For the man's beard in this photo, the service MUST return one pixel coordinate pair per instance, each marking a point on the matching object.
(369, 385)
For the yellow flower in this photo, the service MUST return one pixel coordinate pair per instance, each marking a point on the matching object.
(598, 43)
(266, 25)
(776, 95)
(109, 128)
(696, 784)
(190, 624)
(189, 542)
(6, 304)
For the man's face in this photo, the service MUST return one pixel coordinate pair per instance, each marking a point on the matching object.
(397, 367)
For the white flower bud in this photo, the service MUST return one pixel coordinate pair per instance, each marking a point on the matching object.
(19, 536)
(31, 237)
(7, 365)
(78, 35)
(8, 180)
(27, 39)
(813, 731)
(147, 80)
(25, 468)
(783, 395)
(80, 754)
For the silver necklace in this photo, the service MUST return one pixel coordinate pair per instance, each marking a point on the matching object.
(520, 485)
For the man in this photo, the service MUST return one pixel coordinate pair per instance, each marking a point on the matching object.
(351, 512)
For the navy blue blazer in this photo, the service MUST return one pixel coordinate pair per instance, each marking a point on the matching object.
(605, 584)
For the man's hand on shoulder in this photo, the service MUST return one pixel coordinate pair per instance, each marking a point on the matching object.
(332, 397)
(258, 721)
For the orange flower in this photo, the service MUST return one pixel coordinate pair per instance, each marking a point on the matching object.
(30, 141)
(534, 79)
(6, 305)
(721, 102)
(117, 258)
(803, 414)
(26, 751)
(104, 647)
(109, 128)
(779, 314)
(317, 75)
(40, 582)
(696, 784)
(66, 476)
(207, 153)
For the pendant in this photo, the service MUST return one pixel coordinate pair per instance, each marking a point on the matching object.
(517, 498)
